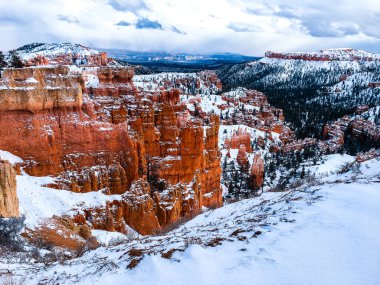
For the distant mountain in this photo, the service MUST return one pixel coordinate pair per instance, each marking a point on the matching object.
(144, 62)
(62, 54)
(159, 61)
(30, 51)
(313, 88)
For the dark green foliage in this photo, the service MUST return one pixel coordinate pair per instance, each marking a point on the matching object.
(3, 63)
(10, 232)
(15, 60)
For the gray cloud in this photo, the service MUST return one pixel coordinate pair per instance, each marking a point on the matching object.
(127, 5)
(271, 10)
(318, 20)
(282, 25)
(260, 11)
(318, 28)
(176, 30)
(145, 23)
(243, 27)
(68, 19)
(123, 24)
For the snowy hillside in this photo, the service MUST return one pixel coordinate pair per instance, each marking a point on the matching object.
(323, 232)
(334, 54)
(311, 88)
(30, 51)
(301, 70)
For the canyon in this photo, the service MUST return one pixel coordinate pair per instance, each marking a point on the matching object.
(115, 139)
(162, 147)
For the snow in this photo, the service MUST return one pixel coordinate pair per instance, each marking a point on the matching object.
(106, 238)
(38, 202)
(5, 155)
(55, 49)
(322, 234)
(332, 164)
(327, 244)
(31, 80)
(92, 81)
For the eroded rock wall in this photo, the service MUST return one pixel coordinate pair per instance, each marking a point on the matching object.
(106, 137)
(9, 204)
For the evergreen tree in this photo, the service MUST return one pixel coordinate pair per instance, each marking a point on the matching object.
(302, 175)
(15, 60)
(3, 63)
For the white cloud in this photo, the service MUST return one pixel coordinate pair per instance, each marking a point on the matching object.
(205, 26)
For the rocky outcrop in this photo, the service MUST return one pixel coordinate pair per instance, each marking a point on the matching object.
(351, 130)
(326, 55)
(9, 205)
(39, 89)
(261, 115)
(62, 54)
(242, 158)
(150, 212)
(257, 172)
(109, 137)
(56, 133)
(241, 137)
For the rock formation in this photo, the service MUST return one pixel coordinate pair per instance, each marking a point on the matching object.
(109, 136)
(9, 205)
(361, 131)
(257, 172)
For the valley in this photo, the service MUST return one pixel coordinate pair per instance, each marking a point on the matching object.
(108, 169)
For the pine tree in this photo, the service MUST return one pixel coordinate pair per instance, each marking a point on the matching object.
(15, 60)
(3, 63)
(302, 175)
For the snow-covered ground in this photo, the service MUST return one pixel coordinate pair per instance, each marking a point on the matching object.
(335, 241)
(38, 202)
(323, 233)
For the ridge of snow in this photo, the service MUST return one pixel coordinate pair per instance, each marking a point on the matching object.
(13, 159)
(54, 49)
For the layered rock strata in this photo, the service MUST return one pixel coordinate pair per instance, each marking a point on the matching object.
(108, 136)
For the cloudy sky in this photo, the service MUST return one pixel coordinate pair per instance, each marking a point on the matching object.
(196, 26)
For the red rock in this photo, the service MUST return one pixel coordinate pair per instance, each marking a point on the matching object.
(53, 133)
(241, 137)
(257, 171)
(242, 158)
(101, 141)
(9, 205)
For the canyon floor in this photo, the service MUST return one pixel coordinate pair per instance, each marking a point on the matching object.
(313, 234)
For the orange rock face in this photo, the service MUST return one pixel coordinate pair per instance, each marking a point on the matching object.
(257, 171)
(106, 137)
(242, 158)
(100, 59)
(241, 137)
(265, 118)
(46, 125)
(9, 205)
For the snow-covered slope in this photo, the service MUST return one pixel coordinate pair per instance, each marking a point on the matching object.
(315, 234)
(311, 88)
(334, 54)
(30, 51)
(301, 70)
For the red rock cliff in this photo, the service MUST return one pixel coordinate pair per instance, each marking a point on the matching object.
(9, 206)
(43, 120)
(111, 137)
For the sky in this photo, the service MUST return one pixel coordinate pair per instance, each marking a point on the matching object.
(194, 26)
